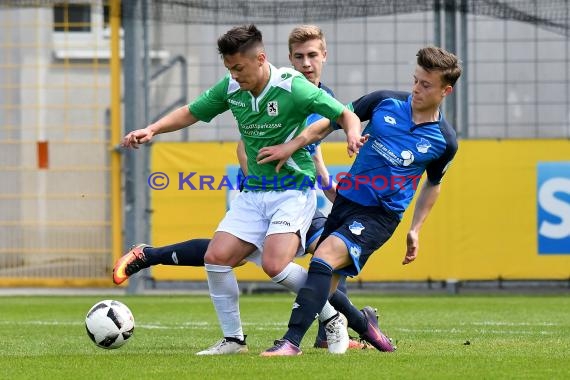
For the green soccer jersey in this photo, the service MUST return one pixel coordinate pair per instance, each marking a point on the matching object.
(276, 116)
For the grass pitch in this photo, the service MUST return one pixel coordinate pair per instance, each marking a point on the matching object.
(438, 337)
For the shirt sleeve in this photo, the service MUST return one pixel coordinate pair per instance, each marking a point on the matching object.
(312, 99)
(437, 168)
(365, 105)
(211, 102)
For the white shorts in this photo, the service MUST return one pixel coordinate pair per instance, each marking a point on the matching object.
(255, 215)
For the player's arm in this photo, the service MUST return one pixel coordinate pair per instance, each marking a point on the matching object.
(317, 131)
(426, 199)
(210, 103)
(313, 133)
(428, 195)
(364, 106)
(327, 184)
(351, 125)
(174, 121)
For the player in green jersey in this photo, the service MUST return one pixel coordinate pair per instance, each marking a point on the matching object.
(274, 212)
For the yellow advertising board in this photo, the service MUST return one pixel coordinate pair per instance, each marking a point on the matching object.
(503, 212)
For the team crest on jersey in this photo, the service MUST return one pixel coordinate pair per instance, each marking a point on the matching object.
(272, 108)
(423, 145)
(356, 228)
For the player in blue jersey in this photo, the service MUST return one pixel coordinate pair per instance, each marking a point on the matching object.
(307, 54)
(408, 136)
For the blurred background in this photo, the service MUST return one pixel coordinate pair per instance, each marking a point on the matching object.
(75, 76)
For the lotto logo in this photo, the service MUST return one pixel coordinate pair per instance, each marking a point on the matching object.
(553, 208)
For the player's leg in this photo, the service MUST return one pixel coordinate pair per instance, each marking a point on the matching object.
(290, 274)
(187, 253)
(343, 248)
(236, 238)
(321, 338)
(290, 221)
(310, 300)
(313, 236)
(224, 291)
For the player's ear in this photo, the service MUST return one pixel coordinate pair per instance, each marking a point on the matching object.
(447, 90)
(324, 55)
(261, 58)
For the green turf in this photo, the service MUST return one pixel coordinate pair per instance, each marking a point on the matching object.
(438, 337)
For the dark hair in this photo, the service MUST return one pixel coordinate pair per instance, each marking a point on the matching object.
(435, 58)
(240, 39)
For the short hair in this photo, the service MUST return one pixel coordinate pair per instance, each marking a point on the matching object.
(240, 39)
(432, 58)
(306, 33)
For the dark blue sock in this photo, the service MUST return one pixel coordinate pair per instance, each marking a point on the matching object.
(189, 253)
(310, 300)
(322, 335)
(355, 317)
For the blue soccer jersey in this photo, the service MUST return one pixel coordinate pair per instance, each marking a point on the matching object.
(315, 117)
(387, 170)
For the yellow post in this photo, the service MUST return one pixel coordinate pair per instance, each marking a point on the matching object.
(116, 207)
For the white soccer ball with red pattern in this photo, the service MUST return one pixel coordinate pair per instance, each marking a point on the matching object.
(109, 324)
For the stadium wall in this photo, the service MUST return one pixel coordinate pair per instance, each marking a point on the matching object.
(504, 211)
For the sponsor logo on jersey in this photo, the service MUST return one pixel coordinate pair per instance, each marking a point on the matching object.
(390, 120)
(283, 222)
(405, 159)
(236, 103)
(408, 157)
(423, 145)
(272, 108)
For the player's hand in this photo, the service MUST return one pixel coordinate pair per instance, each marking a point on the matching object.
(355, 141)
(412, 242)
(135, 138)
(280, 153)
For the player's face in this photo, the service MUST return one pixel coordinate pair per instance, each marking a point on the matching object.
(247, 70)
(428, 90)
(308, 58)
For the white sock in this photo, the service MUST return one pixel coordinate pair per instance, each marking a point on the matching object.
(293, 277)
(224, 292)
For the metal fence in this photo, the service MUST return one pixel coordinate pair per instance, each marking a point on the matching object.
(55, 192)
(59, 192)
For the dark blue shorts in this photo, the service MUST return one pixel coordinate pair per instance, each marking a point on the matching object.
(363, 229)
(316, 228)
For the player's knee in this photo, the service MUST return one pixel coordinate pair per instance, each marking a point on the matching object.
(322, 253)
(272, 268)
(330, 256)
(217, 257)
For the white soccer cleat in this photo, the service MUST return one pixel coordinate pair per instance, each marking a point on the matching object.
(337, 334)
(226, 346)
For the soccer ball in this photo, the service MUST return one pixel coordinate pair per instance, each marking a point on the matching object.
(109, 324)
